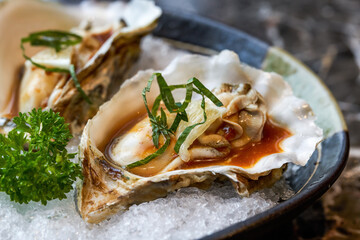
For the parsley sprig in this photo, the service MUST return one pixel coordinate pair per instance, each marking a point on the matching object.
(57, 40)
(159, 122)
(34, 163)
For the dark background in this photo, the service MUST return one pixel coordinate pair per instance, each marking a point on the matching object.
(325, 35)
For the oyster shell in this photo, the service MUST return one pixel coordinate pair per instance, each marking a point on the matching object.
(108, 188)
(109, 47)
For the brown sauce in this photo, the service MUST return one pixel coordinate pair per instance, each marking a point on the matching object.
(250, 154)
(245, 157)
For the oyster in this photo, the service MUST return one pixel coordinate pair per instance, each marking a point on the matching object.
(252, 98)
(110, 45)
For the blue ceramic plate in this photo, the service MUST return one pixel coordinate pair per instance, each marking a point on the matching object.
(326, 163)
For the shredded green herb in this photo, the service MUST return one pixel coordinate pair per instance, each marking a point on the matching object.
(159, 123)
(34, 163)
(57, 40)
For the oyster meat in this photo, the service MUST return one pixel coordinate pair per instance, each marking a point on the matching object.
(254, 102)
(109, 46)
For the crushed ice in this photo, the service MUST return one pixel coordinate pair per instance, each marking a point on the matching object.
(188, 213)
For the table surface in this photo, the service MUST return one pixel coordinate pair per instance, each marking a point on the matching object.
(325, 35)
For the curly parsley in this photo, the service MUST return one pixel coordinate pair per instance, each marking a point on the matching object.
(34, 163)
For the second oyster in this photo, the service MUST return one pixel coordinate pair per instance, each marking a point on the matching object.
(107, 50)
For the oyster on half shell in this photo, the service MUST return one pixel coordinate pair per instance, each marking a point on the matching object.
(251, 98)
(110, 45)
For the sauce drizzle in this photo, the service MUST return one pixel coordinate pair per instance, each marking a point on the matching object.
(250, 154)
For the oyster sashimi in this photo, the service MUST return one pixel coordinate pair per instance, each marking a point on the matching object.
(109, 46)
(252, 99)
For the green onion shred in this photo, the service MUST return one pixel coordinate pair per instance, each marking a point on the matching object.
(159, 122)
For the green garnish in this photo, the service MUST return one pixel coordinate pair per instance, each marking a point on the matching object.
(159, 123)
(57, 40)
(34, 163)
